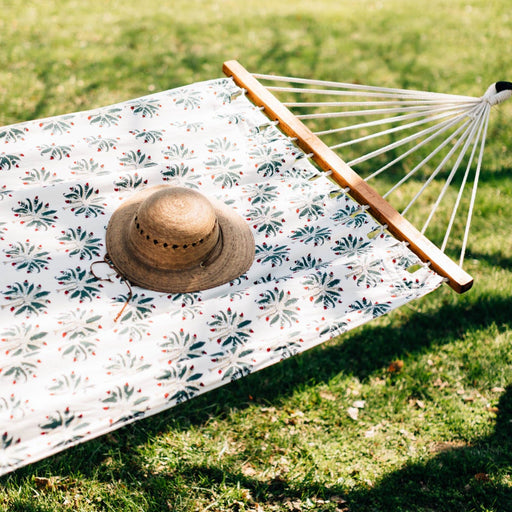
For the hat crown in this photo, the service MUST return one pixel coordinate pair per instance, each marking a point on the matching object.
(174, 228)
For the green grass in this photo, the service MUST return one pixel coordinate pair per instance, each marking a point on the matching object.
(434, 435)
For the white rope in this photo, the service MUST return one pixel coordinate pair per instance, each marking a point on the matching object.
(455, 147)
(461, 120)
(438, 130)
(365, 93)
(475, 186)
(426, 159)
(458, 200)
(443, 113)
(307, 81)
(311, 104)
(361, 209)
(395, 110)
(476, 126)
(392, 130)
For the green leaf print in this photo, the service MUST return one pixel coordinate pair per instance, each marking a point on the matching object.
(181, 174)
(188, 99)
(121, 363)
(267, 161)
(84, 200)
(78, 283)
(27, 298)
(5, 192)
(106, 118)
(262, 193)
(234, 363)
(351, 215)
(41, 176)
(366, 306)
(58, 126)
(85, 167)
(221, 145)
(129, 182)
(278, 307)
(266, 219)
(274, 254)
(334, 329)
(12, 134)
(224, 171)
(352, 246)
(366, 271)
(178, 152)
(25, 340)
(145, 107)
(79, 349)
(6, 441)
(71, 383)
(181, 382)
(55, 152)
(316, 235)
(312, 208)
(324, 289)
(102, 144)
(306, 262)
(28, 257)
(182, 346)
(66, 421)
(78, 242)
(136, 160)
(78, 323)
(21, 371)
(230, 328)
(148, 136)
(138, 308)
(7, 162)
(35, 213)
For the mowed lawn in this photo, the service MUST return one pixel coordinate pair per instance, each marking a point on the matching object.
(431, 382)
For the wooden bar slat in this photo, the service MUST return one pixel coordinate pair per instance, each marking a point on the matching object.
(364, 194)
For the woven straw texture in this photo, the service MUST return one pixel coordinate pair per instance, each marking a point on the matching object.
(173, 239)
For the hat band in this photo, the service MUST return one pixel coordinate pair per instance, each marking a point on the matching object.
(216, 250)
(171, 254)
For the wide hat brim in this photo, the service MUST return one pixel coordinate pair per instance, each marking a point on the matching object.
(235, 258)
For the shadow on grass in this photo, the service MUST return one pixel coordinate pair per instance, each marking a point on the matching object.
(498, 259)
(359, 354)
(471, 478)
(474, 477)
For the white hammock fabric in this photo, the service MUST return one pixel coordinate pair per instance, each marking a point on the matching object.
(68, 371)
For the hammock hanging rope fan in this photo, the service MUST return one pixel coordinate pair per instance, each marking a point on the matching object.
(330, 252)
(461, 121)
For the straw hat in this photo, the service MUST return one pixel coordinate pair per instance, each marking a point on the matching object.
(173, 239)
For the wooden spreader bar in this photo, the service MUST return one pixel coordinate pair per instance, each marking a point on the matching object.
(327, 160)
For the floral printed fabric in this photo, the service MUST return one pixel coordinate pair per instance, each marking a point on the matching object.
(68, 372)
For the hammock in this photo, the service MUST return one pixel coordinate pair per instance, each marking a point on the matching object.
(76, 363)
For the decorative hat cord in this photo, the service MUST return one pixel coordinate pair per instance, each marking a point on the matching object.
(106, 259)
